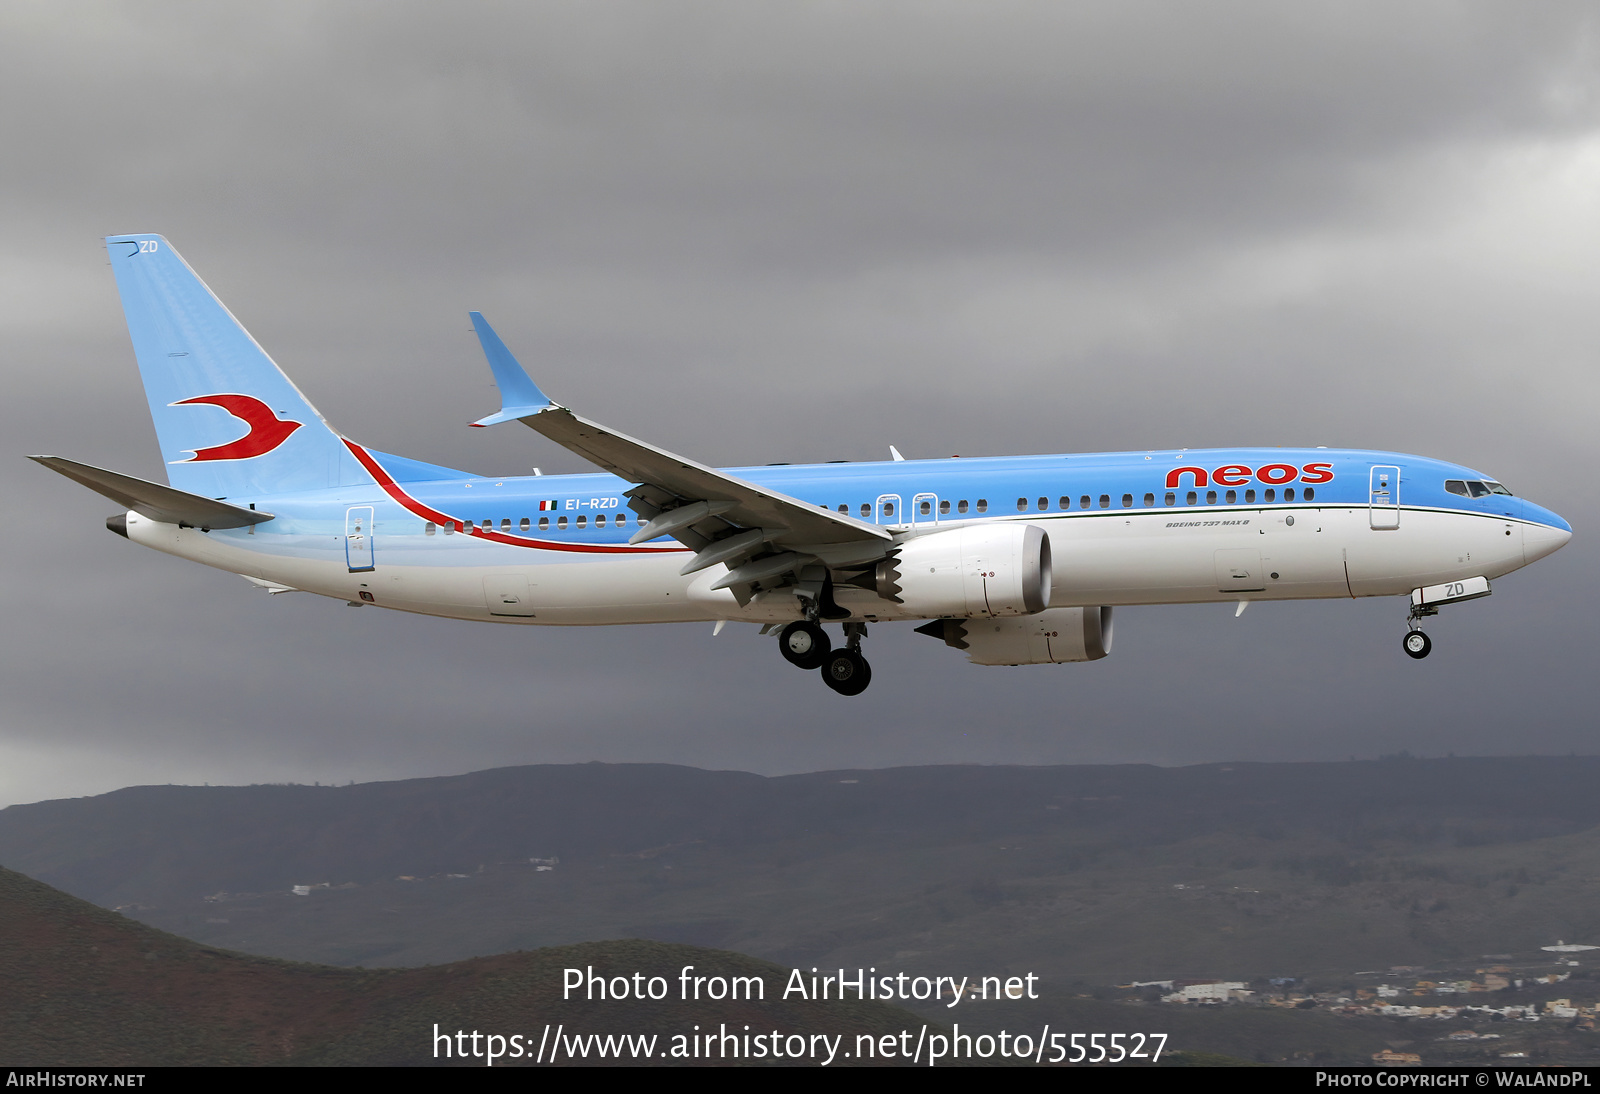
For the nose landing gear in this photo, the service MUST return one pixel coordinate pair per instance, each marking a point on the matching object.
(806, 645)
(1415, 643)
(1426, 602)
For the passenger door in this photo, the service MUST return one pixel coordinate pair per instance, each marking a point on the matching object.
(1384, 497)
(358, 539)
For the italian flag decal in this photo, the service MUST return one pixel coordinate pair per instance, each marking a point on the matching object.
(544, 505)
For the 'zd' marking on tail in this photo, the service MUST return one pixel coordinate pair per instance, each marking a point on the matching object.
(267, 430)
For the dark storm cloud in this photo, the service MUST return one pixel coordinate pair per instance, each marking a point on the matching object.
(759, 233)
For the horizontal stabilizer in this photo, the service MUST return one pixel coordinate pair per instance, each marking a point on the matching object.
(158, 503)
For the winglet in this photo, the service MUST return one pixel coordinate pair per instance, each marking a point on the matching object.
(519, 395)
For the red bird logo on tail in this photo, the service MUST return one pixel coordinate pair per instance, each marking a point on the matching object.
(267, 431)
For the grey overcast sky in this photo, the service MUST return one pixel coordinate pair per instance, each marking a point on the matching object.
(800, 231)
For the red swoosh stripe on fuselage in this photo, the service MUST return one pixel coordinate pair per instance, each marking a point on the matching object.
(392, 488)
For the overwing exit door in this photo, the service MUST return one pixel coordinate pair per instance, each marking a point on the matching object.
(889, 511)
(358, 538)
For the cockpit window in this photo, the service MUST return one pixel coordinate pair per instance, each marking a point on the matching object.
(1469, 489)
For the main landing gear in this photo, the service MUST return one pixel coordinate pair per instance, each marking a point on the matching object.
(806, 645)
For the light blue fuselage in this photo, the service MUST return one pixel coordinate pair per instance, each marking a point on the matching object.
(1119, 533)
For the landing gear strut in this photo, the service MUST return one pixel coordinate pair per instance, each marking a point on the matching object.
(846, 671)
(1416, 644)
(805, 644)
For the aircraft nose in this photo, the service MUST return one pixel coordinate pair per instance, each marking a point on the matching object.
(1539, 540)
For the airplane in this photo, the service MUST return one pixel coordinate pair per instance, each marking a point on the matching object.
(1013, 560)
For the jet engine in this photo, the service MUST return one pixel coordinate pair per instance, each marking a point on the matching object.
(985, 570)
(1053, 637)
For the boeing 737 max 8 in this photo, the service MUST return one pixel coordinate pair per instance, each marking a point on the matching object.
(1014, 560)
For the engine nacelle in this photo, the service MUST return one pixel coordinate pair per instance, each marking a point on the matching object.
(985, 570)
(1048, 638)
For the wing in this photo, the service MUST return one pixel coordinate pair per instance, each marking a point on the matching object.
(764, 537)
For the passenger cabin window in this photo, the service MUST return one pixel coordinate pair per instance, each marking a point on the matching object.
(1288, 495)
(1127, 501)
(1084, 502)
(523, 524)
(983, 505)
(1271, 495)
(1022, 505)
(1308, 493)
(505, 524)
(450, 528)
(845, 509)
(600, 521)
(583, 522)
(561, 523)
(944, 507)
(1044, 503)
(925, 508)
(866, 510)
(1211, 497)
(430, 528)
(1066, 503)
(544, 523)
(1105, 501)
(888, 508)
(1191, 498)
(961, 506)
(1172, 499)
(1149, 500)
(1249, 497)
(1232, 496)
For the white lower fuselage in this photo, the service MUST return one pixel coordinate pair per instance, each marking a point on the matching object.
(1111, 558)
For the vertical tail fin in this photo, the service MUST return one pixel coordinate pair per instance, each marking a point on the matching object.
(230, 423)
